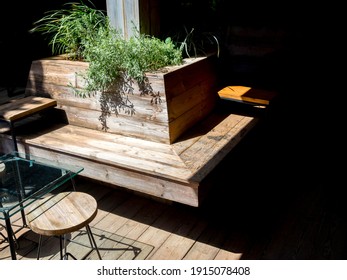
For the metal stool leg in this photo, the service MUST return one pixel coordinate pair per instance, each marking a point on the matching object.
(66, 254)
(92, 241)
(61, 246)
(39, 247)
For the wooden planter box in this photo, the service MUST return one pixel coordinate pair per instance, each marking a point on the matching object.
(145, 152)
(188, 93)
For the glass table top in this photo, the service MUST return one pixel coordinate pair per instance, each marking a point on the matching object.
(24, 179)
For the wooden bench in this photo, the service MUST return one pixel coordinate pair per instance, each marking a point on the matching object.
(165, 150)
(21, 108)
(253, 96)
(174, 172)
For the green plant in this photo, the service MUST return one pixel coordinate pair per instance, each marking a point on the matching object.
(69, 30)
(195, 43)
(114, 62)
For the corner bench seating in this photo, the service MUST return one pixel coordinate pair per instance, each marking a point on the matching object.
(171, 171)
(175, 171)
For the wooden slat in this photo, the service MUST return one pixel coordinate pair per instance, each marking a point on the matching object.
(151, 184)
(207, 245)
(22, 107)
(63, 213)
(178, 243)
(125, 125)
(187, 94)
(202, 161)
(171, 171)
(311, 226)
(68, 139)
(247, 94)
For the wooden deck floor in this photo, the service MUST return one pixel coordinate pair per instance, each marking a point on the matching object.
(273, 198)
(262, 207)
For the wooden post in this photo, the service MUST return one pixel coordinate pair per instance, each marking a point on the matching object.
(125, 15)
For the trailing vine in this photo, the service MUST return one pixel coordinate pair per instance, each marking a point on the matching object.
(114, 62)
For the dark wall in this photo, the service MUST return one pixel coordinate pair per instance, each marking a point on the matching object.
(17, 46)
(255, 37)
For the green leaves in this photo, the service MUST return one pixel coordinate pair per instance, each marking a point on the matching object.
(69, 30)
(85, 33)
(114, 62)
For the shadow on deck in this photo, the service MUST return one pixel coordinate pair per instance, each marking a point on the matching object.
(262, 206)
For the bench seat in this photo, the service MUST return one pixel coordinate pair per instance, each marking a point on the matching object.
(174, 172)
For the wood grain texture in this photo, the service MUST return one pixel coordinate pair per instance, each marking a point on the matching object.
(247, 94)
(187, 92)
(22, 107)
(165, 151)
(307, 225)
(174, 172)
(62, 213)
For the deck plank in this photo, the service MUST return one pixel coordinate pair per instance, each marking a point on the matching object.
(170, 231)
(207, 245)
(160, 230)
(178, 243)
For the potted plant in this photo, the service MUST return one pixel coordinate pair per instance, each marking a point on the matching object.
(91, 59)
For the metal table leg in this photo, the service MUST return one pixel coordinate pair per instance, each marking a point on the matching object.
(14, 139)
(10, 238)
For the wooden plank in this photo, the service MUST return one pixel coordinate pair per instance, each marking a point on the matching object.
(247, 94)
(207, 245)
(187, 120)
(178, 243)
(166, 164)
(190, 75)
(123, 125)
(212, 147)
(56, 70)
(62, 213)
(151, 184)
(65, 97)
(188, 93)
(23, 107)
(160, 230)
(128, 229)
(198, 95)
(121, 214)
(136, 226)
(113, 222)
(232, 248)
(172, 172)
(295, 235)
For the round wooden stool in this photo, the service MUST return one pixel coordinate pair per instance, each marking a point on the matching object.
(62, 214)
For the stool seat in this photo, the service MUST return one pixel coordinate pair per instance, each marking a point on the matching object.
(61, 214)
